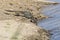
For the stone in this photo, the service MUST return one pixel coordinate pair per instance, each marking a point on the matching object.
(11, 29)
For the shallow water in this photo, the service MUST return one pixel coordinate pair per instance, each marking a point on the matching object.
(53, 23)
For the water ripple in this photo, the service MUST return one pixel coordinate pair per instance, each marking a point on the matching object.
(52, 24)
